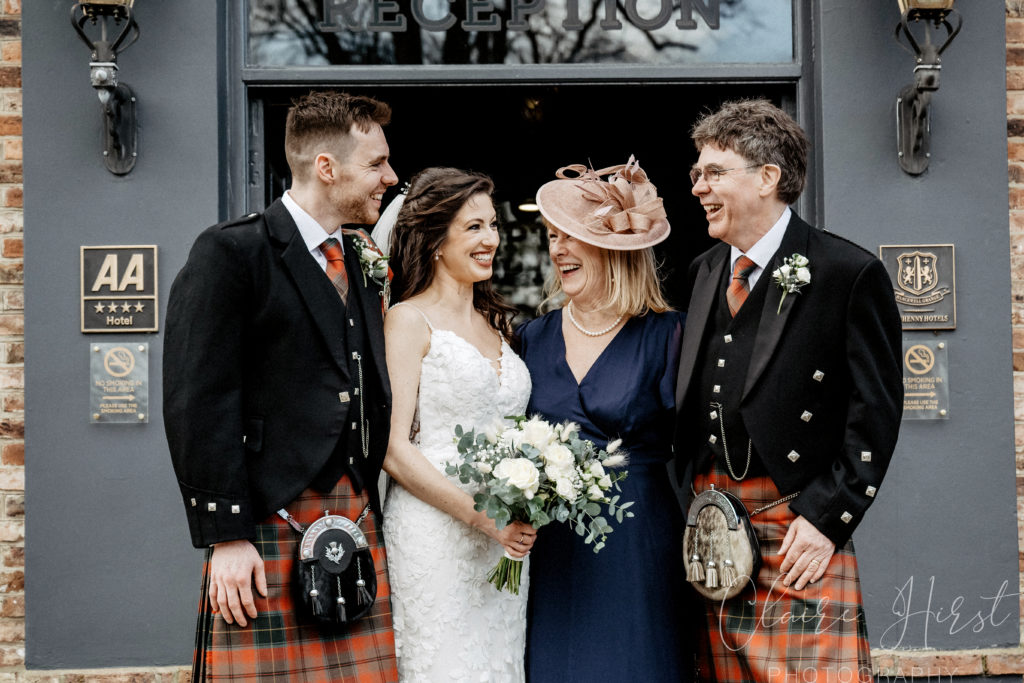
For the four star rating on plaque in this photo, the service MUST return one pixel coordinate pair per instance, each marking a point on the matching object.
(119, 288)
(123, 307)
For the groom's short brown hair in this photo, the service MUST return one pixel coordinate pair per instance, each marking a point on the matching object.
(321, 121)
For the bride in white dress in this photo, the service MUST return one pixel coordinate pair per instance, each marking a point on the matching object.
(450, 363)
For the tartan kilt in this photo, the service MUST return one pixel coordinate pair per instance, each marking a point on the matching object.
(773, 633)
(278, 645)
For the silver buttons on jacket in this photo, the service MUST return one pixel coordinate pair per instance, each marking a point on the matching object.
(343, 397)
(721, 362)
(712, 439)
(818, 375)
(865, 456)
(793, 456)
(870, 491)
(193, 501)
(716, 389)
(806, 416)
(728, 338)
(714, 414)
(235, 509)
(211, 507)
(846, 517)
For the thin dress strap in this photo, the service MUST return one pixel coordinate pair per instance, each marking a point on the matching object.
(415, 308)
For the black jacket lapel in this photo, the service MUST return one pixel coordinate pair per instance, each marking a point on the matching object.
(368, 298)
(316, 289)
(774, 317)
(705, 286)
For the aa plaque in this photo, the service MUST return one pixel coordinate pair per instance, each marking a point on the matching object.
(925, 380)
(118, 285)
(119, 376)
(924, 284)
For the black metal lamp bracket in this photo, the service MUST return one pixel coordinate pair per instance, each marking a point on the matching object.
(913, 105)
(120, 130)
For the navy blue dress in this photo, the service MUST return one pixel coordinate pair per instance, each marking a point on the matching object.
(617, 615)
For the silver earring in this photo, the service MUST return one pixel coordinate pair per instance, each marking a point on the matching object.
(437, 255)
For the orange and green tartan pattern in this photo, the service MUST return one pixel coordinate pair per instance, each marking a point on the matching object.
(775, 634)
(278, 645)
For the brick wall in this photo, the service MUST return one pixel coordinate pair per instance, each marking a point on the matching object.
(12, 346)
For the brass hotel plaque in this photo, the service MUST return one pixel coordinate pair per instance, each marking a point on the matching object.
(118, 285)
(924, 283)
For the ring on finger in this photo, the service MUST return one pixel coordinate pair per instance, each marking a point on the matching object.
(814, 563)
(522, 538)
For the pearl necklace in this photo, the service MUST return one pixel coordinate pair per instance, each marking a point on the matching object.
(572, 319)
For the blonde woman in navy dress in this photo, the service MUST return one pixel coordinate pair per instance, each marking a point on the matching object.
(607, 359)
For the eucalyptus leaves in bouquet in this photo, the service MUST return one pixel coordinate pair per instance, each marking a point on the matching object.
(538, 473)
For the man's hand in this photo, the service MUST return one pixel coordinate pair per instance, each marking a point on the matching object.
(234, 566)
(807, 552)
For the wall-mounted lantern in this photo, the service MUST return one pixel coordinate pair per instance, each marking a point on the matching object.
(113, 24)
(913, 104)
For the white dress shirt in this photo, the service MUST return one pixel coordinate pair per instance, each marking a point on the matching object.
(763, 250)
(313, 234)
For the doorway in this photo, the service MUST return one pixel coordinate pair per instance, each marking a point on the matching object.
(520, 134)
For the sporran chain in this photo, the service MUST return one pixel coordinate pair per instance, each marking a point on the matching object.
(725, 447)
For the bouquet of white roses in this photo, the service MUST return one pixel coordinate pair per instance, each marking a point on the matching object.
(539, 473)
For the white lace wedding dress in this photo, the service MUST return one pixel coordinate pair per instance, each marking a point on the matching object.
(450, 623)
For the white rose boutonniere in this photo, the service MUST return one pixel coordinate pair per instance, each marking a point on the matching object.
(793, 274)
(373, 263)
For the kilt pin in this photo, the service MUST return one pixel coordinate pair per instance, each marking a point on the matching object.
(279, 644)
(773, 633)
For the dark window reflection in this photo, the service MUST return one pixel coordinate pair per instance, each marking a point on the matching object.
(340, 32)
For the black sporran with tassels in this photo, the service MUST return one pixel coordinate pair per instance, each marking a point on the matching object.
(720, 546)
(336, 578)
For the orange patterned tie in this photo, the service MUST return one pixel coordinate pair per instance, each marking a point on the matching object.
(739, 288)
(336, 266)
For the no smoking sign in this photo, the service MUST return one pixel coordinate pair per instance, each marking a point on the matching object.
(925, 380)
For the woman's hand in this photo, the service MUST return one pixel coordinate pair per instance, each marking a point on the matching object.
(517, 538)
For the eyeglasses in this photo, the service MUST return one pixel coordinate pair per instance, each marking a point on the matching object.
(713, 174)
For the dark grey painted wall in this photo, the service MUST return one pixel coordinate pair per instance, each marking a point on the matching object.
(946, 509)
(112, 579)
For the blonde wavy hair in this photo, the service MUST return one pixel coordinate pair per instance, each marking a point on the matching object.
(631, 284)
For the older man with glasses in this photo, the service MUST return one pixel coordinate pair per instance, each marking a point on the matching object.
(789, 396)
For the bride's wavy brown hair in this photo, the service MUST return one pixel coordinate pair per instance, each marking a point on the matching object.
(435, 195)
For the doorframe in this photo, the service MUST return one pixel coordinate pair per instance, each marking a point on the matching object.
(241, 151)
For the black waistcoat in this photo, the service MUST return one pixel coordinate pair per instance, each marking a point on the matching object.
(725, 356)
(348, 453)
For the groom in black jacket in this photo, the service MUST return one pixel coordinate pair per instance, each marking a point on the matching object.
(789, 392)
(276, 396)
